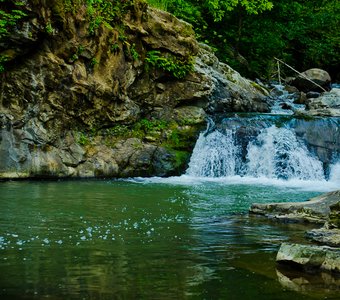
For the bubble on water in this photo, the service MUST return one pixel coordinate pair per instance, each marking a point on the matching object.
(59, 242)
(89, 229)
(83, 238)
(20, 242)
(14, 235)
(135, 225)
(46, 241)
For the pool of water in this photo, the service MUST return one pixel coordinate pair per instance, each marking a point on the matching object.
(146, 239)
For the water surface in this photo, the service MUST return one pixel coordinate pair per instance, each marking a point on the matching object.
(145, 239)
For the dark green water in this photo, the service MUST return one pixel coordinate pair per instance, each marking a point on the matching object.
(128, 240)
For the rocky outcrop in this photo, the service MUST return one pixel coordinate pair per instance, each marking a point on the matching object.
(125, 96)
(227, 90)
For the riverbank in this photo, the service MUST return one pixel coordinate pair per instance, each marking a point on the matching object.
(324, 212)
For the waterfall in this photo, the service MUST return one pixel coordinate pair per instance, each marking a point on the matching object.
(273, 152)
(276, 153)
(335, 173)
(215, 155)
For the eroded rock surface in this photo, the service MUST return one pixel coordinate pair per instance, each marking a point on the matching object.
(85, 101)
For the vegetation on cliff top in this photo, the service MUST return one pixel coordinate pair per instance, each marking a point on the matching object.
(249, 34)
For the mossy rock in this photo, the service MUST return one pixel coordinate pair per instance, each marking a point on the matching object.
(334, 216)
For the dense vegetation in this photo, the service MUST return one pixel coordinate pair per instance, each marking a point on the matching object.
(245, 34)
(249, 34)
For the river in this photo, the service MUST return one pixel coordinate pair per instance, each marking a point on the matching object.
(175, 238)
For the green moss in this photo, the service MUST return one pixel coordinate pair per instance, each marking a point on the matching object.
(10, 15)
(181, 158)
(83, 139)
(179, 67)
(3, 59)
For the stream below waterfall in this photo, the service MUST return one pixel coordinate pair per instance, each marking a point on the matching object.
(186, 237)
(156, 238)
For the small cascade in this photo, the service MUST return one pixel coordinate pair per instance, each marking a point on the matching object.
(276, 153)
(234, 148)
(215, 155)
(284, 101)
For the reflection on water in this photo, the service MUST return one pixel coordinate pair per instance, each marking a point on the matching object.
(145, 240)
(307, 282)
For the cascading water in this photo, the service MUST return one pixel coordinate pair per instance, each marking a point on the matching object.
(215, 155)
(273, 152)
(276, 153)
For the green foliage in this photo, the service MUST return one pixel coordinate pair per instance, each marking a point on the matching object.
(248, 34)
(83, 139)
(93, 62)
(3, 59)
(10, 15)
(133, 52)
(219, 8)
(105, 12)
(49, 28)
(178, 67)
(79, 51)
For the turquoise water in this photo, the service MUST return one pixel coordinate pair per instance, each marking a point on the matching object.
(145, 239)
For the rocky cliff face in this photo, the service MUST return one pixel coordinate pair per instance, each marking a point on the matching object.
(88, 92)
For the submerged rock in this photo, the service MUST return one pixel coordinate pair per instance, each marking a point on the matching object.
(309, 257)
(323, 282)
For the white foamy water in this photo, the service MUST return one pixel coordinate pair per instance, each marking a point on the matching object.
(215, 155)
(296, 184)
(276, 153)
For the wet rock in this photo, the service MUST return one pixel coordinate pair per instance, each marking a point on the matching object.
(226, 90)
(316, 210)
(309, 257)
(325, 236)
(301, 98)
(318, 76)
(313, 95)
(328, 104)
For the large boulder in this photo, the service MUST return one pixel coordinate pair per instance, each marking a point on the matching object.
(304, 82)
(226, 90)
